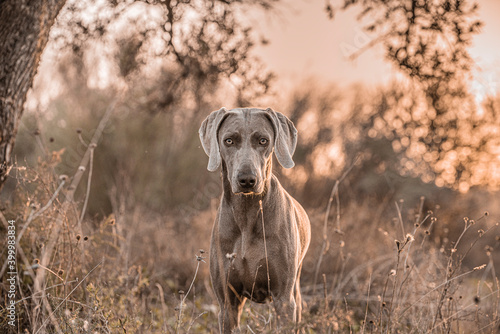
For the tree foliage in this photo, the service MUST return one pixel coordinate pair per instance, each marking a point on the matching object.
(201, 43)
(434, 121)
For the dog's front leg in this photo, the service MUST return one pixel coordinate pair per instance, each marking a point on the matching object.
(286, 310)
(229, 315)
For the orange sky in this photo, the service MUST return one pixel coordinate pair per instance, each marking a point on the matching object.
(305, 43)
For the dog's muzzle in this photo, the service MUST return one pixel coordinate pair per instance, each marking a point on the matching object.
(247, 182)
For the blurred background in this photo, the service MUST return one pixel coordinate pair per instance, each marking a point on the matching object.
(396, 101)
(331, 67)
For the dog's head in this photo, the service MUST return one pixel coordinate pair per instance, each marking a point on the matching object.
(244, 140)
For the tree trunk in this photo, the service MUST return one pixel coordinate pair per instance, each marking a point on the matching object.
(24, 32)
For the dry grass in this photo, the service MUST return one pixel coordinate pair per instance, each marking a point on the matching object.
(136, 271)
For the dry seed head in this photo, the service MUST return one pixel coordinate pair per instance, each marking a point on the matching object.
(497, 238)
(63, 177)
(92, 145)
(181, 292)
(78, 237)
(78, 130)
(384, 304)
(486, 213)
(36, 132)
(341, 243)
(51, 139)
(81, 168)
(202, 251)
(60, 272)
(427, 232)
(477, 300)
(480, 267)
(410, 237)
(417, 224)
(429, 212)
(480, 232)
(433, 219)
(85, 238)
(37, 261)
(392, 272)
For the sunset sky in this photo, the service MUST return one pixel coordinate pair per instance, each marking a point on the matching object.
(305, 43)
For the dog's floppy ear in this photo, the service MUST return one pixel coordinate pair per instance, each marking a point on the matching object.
(208, 137)
(285, 139)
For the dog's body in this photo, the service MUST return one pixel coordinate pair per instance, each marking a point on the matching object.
(248, 261)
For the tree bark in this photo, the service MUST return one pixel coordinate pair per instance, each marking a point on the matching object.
(24, 32)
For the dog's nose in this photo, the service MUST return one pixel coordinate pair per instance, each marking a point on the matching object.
(247, 180)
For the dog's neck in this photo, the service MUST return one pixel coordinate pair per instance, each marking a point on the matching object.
(246, 207)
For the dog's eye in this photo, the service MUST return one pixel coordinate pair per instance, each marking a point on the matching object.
(229, 141)
(263, 141)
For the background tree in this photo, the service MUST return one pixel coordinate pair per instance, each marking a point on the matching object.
(24, 32)
(434, 122)
(200, 43)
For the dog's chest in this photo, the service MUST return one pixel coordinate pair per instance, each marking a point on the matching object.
(249, 268)
(250, 253)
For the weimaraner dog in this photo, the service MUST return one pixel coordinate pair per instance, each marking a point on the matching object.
(261, 233)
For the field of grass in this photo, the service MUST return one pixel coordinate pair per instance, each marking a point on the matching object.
(138, 271)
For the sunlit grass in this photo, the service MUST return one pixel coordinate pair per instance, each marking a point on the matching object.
(142, 272)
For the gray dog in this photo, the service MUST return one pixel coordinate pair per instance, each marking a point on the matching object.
(261, 233)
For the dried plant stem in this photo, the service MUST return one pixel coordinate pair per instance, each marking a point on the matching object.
(437, 287)
(67, 296)
(265, 249)
(325, 244)
(325, 294)
(265, 252)
(89, 181)
(163, 307)
(183, 298)
(58, 222)
(460, 311)
(367, 303)
(382, 304)
(394, 287)
(400, 218)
